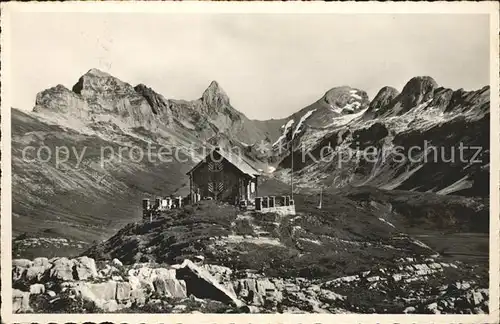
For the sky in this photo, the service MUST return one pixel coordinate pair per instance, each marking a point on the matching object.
(270, 65)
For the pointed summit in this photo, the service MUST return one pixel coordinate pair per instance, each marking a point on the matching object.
(97, 72)
(215, 96)
(97, 81)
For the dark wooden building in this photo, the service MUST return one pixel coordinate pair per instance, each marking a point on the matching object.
(223, 176)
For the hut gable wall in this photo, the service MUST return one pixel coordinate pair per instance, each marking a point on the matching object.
(218, 178)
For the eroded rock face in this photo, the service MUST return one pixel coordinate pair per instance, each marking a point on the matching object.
(214, 96)
(158, 103)
(60, 99)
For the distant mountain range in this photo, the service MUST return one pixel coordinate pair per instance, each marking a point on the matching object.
(83, 200)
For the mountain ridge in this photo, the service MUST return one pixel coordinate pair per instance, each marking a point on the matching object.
(103, 111)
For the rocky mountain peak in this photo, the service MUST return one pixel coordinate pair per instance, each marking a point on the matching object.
(157, 102)
(215, 96)
(98, 73)
(96, 82)
(421, 85)
(383, 99)
(59, 99)
(345, 99)
(418, 90)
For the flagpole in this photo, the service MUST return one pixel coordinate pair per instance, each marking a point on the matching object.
(320, 198)
(291, 174)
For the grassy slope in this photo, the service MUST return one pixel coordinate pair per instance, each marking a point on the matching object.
(344, 237)
(86, 203)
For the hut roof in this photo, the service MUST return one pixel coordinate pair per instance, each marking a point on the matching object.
(232, 158)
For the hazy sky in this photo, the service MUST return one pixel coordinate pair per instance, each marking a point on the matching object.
(270, 65)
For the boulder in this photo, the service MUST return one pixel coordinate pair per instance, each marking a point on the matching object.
(36, 272)
(117, 263)
(107, 271)
(123, 290)
(409, 310)
(108, 306)
(18, 273)
(150, 274)
(37, 289)
(170, 287)
(24, 263)
(20, 301)
(330, 297)
(256, 291)
(202, 284)
(433, 308)
(96, 291)
(138, 297)
(164, 273)
(179, 308)
(62, 269)
(221, 273)
(475, 298)
(41, 262)
(84, 268)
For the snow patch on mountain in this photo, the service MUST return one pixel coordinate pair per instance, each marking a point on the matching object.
(299, 125)
(345, 119)
(388, 223)
(354, 94)
(285, 128)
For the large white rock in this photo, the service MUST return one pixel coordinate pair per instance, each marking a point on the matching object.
(41, 262)
(25, 263)
(138, 296)
(433, 307)
(117, 263)
(123, 290)
(164, 273)
(37, 289)
(20, 301)
(84, 268)
(409, 310)
(62, 269)
(256, 291)
(96, 291)
(221, 273)
(170, 287)
(37, 272)
(108, 306)
(202, 284)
